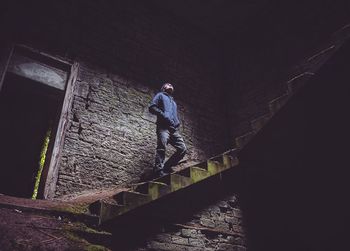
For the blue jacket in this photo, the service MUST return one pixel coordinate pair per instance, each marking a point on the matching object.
(164, 106)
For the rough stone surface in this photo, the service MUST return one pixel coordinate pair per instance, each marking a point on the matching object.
(219, 234)
(126, 50)
(111, 136)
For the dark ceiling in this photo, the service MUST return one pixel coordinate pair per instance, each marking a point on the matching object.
(215, 16)
(222, 17)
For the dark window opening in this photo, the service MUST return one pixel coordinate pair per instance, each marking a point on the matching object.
(28, 109)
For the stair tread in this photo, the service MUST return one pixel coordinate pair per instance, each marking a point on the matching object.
(199, 168)
(130, 197)
(148, 188)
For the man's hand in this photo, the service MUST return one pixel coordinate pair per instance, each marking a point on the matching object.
(172, 129)
(169, 122)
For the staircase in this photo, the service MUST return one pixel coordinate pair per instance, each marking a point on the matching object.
(147, 192)
(298, 76)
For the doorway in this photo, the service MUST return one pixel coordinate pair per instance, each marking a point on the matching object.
(36, 92)
(28, 110)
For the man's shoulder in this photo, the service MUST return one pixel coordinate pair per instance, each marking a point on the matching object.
(161, 94)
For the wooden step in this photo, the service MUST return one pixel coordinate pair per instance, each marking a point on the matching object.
(259, 122)
(211, 167)
(230, 158)
(218, 164)
(119, 204)
(321, 56)
(109, 211)
(215, 167)
(132, 199)
(106, 209)
(295, 83)
(154, 189)
(196, 173)
(175, 181)
(276, 104)
(242, 140)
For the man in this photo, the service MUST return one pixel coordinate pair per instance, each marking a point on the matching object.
(164, 106)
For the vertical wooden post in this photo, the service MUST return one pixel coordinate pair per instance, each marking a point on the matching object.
(51, 172)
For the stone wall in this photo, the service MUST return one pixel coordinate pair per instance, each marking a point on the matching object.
(217, 227)
(126, 50)
(209, 215)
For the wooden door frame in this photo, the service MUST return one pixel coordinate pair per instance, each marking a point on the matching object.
(50, 173)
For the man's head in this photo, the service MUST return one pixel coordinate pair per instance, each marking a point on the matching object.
(168, 88)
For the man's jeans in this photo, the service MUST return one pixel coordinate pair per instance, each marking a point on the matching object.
(172, 137)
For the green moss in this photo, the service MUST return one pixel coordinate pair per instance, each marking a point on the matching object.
(74, 209)
(198, 174)
(79, 226)
(71, 232)
(96, 248)
(41, 162)
(75, 238)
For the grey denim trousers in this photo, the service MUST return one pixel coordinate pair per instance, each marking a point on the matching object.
(165, 137)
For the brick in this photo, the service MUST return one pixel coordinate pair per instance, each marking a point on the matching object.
(189, 232)
(196, 242)
(224, 247)
(180, 240)
(207, 222)
(239, 248)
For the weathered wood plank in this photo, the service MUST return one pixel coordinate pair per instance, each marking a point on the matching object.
(52, 170)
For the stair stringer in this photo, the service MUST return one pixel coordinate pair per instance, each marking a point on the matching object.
(299, 76)
(148, 192)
